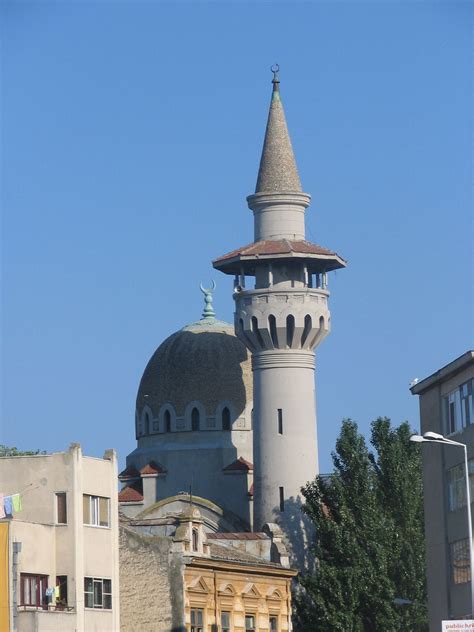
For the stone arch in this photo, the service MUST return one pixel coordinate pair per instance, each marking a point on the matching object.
(167, 418)
(199, 419)
(222, 406)
(256, 332)
(146, 420)
(273, 330)
(308, 324)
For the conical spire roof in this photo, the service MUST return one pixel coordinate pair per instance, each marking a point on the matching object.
(278, 171)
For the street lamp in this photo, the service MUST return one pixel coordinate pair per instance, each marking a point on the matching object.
(434, 437)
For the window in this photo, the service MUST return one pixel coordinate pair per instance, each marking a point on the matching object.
(467, 403)
(167, 418)
(61, 584)
(249, 623)
(195, 419)
(273, 624)
(273, 330)
(147, 424)
(460, 561)
(226, 419)
(282, 499)
(33, 590)
(457, 485)
(196, 620)
(225, 621)
(280, 421)
(195, 540)
(458, 408)
(96, 510)
(61, 508)
(98, 593)
(290, 330)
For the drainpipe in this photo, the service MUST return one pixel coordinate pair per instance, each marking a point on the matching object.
(16, 551)
(216, 610)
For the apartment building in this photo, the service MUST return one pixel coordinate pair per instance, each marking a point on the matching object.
(447, 407)
(59, 553)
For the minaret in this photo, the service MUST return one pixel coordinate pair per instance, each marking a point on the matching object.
(281, 319)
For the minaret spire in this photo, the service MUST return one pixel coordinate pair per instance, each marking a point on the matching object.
(278, 171)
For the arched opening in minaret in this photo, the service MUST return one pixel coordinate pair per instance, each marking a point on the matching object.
(318, 333)
(226, 419)
(307, 329)
(257, 333)
(195, 418)
(290, 330)
(248, 340)
(167, 418)
(273, 330)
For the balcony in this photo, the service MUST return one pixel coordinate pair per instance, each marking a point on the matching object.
(54, 619)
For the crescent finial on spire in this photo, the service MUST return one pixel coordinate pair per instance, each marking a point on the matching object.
(276, 77)
(208, 309)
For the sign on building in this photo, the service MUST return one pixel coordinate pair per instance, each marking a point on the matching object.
(467, 625)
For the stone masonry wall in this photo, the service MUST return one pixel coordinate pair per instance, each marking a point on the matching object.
(151, 584)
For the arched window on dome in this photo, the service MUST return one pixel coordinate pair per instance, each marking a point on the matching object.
(147, 423)
(195, 419)
(167, 419)
(226, 425)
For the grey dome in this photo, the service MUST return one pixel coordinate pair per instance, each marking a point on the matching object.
(202, 362)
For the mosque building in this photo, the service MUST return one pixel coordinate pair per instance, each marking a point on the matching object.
(225, 414)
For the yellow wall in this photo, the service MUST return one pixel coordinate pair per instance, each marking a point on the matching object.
(239, 592)
(4, 601)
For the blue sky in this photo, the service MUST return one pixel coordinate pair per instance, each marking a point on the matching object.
(131, 135)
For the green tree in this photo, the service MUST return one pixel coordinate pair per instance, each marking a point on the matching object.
(6, 451)
(369, 543)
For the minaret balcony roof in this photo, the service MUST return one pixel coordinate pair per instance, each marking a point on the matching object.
(317, 258)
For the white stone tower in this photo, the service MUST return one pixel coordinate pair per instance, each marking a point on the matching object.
(281, 319)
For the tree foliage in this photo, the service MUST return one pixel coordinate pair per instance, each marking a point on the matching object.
(369, 542)
(6, 451)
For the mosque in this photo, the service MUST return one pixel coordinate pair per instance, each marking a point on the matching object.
(225, 413)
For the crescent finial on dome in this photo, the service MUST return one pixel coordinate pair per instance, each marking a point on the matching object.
(208, 309)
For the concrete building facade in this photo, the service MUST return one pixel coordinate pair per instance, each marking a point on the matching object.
(447, 408)
(61, 550)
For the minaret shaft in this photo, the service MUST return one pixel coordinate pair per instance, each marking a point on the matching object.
(285, 445)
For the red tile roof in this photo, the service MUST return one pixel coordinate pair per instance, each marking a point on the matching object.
(153, 468)
(129, 472)
(129, 495)
(240, 465)
(237, 536)
(285, 248)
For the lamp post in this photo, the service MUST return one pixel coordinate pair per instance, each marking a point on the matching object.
(434, 437)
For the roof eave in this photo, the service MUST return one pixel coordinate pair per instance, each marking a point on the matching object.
(233, 264)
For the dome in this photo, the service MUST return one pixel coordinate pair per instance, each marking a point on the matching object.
(205, 363)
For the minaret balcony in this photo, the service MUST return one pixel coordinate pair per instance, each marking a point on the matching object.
(289, 318)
